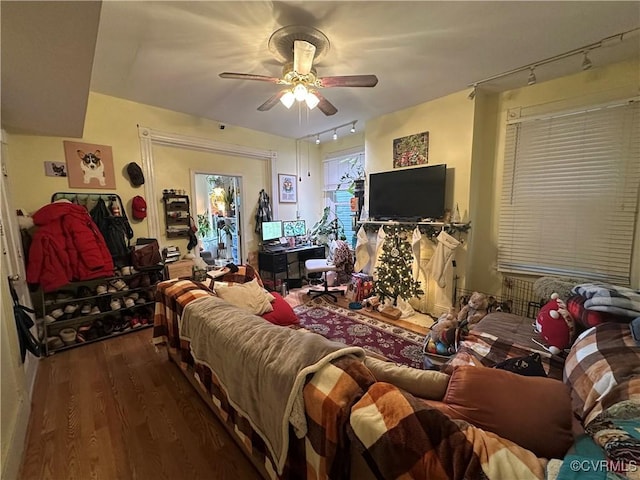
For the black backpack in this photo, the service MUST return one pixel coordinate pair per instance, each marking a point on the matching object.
(23, 325)
(116, 231)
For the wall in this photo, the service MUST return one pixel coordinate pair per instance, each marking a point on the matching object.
(112, 121)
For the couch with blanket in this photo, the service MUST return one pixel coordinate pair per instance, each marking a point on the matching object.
(302, 406)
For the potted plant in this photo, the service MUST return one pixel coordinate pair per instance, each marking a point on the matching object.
(324, 229)
(354, 176)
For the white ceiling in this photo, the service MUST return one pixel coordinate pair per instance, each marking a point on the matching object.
(169, 54)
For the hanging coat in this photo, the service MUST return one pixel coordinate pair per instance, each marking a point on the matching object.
(263, 213)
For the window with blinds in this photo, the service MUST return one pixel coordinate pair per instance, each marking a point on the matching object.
(570, 194)
(338, 174)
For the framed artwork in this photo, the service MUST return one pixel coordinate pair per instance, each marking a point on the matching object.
(89, 165)
(287, 188)
(55, 169)
(411, 150)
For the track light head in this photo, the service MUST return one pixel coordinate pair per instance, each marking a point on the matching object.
(532, 77)
(335, 134)
(318, 139)
(586, 62)
(353, 127)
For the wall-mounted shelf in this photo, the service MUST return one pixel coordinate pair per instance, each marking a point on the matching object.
(429, 228)
(177, 215)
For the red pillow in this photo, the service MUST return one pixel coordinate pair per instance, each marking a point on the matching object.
(282, 313)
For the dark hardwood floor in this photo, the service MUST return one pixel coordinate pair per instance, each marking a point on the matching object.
(118, 409)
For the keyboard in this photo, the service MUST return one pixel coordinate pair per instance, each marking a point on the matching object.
(275, 249)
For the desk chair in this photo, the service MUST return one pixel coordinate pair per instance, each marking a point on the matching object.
(322, 265)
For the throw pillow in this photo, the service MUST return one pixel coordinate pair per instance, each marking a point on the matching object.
(533, 412)
(421, 383)
(282, 313)
(529, 365)
(249, 296)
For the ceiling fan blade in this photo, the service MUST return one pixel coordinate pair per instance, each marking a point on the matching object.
(272, 102)
(349, 81)
(249, 76)
(325, 106)
(303, 53)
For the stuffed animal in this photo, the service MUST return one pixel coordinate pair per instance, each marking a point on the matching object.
(555, 325)
(475, 309)
(443, 334)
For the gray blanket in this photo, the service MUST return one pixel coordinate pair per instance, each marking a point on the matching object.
(605, 297)
(261, 366)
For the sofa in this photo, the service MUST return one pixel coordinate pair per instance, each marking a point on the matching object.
(343, 413)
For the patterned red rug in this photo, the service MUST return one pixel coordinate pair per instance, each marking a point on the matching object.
(353, 328)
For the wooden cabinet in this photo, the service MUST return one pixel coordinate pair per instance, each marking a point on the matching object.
(177, 215)
(85, 312)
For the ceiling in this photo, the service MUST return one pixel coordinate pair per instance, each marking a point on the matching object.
(169, 54)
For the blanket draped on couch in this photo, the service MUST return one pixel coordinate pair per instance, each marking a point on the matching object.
(269, 365)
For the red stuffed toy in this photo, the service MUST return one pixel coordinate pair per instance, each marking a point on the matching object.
(555, 325)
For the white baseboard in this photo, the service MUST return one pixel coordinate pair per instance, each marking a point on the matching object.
(13, 460)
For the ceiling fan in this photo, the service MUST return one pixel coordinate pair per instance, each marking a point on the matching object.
(298, 47)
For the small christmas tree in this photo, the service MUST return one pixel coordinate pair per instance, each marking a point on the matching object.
(394, 270)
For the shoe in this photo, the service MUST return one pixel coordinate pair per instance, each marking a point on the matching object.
(63, 296)
(134, 295)
(85, 309)
(101, 289)
(141, 301)
(111, 289)
(129, 302)
(115, 304)
(119, 284)
(84, 292)
(126, 271)
(57, 313)
(135, 322)
(48, 319)
(95, 310)
(108, 324)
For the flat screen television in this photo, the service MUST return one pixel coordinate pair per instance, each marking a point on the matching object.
(410, 194)
(294, 228)
(271, 230)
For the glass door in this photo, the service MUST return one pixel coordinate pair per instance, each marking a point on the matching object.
(218, 204)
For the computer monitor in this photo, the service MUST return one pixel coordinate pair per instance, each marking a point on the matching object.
(271, 230)
(294, 228)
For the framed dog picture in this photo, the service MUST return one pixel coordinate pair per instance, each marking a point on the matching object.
(89, 165)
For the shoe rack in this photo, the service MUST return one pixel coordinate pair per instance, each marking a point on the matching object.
(85, 312)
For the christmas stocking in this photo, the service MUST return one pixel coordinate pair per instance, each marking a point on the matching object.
(379, 243)
(441, 259)
(362, 250)
(415, 247)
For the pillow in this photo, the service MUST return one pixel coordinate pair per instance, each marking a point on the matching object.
(282, 313)
(249, 296)
(529, 365)
(427, 384)
(533, 412)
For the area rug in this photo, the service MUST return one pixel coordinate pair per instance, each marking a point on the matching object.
(352, 328)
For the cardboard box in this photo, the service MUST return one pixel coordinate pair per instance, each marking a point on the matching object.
(180, 269)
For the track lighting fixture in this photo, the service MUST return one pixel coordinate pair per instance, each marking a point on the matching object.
(584, 50)
(586, 62)
(317, 135)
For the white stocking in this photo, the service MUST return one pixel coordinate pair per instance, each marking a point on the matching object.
(441, 260)
(362, 250)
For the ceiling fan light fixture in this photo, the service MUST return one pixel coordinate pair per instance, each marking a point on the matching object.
(288, 98)
(312, 100)
(300, 92)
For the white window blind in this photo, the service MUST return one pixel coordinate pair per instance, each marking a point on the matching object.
(570, 194)
(336, 193)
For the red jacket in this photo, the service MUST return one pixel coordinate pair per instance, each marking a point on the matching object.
(67, 246)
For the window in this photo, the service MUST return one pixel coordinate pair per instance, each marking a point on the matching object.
(339, 173)
(570, 193)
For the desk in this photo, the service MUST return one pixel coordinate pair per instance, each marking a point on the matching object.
(278, 262)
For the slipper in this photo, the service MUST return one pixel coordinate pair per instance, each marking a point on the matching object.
(118, 284)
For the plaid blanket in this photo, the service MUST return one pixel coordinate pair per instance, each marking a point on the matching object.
(602, 369)
(605, 297)
(400, 436)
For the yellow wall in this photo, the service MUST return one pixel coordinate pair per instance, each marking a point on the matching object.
(112, 121)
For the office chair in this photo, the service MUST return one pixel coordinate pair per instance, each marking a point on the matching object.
(335, 263)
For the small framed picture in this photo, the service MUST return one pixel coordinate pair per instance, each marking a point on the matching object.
(89, 165)
(55, 169)
(287, 188)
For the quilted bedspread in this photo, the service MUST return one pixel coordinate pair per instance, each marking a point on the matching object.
(400, 436)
